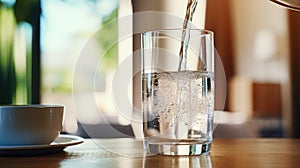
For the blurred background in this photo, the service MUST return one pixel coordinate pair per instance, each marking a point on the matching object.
(41, 41)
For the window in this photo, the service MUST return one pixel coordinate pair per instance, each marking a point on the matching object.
(70, 29)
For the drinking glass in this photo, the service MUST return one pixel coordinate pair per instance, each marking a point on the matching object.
(177, 91)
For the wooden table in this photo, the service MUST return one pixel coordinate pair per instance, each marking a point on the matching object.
(128, 153)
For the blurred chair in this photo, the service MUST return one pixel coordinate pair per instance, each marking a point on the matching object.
(261, 102)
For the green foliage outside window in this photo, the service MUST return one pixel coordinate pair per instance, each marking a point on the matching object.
(7, 68)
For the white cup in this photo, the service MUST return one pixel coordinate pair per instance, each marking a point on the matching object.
(30, 124)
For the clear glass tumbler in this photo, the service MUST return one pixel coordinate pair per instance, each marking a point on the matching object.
(177, 91)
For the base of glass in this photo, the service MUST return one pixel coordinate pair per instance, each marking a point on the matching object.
(178, 148)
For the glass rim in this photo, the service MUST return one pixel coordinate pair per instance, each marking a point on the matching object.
(204, 31)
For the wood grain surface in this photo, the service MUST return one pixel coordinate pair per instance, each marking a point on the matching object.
(129, 153)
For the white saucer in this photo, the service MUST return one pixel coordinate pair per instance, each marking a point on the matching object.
(60, 143)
